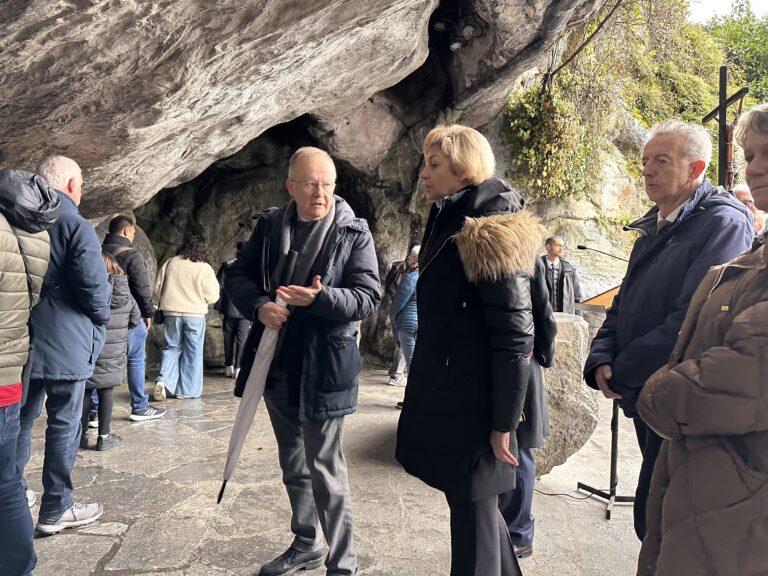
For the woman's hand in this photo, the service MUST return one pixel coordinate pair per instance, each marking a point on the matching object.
(500, 444)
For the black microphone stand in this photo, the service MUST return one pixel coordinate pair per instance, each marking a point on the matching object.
(610, 497)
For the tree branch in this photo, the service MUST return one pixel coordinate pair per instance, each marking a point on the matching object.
(588, 40)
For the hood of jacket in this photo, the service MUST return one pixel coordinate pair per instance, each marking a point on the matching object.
(495, 196)
(500, 245)
(705, 196)
(121, 293)
(27, 201)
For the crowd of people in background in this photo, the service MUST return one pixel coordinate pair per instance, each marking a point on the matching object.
(472, 307)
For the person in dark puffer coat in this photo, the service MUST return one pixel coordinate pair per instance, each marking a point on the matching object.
(110, 365)
(469, 374)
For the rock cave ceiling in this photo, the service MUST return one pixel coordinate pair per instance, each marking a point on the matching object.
(147, 94)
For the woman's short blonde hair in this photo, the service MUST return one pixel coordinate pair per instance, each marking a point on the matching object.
(756, 120)
(468, 152)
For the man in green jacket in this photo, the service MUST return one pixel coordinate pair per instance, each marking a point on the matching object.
(28, 207)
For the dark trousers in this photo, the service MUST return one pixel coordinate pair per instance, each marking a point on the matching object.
(480, 544)
(515, 505)
(17, 555)
(105, 396)
(649, 443)
(235, 334)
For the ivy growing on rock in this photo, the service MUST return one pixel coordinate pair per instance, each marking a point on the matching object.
(550, 142)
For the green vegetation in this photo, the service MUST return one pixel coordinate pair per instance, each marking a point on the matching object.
(647, 62)
(744, 38)
(544, 131)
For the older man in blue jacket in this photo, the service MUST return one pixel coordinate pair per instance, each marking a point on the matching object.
(692, 227)
(69, 328)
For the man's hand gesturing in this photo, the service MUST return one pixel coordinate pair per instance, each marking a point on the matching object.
(300, 295)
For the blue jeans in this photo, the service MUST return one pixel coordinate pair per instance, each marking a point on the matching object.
(137, 338)
(181, 368)
(407, 340)
(16, 531)
(64, 405)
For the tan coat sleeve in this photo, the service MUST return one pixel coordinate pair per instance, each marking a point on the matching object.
(160, 279)
(210, 285)
(724, 391)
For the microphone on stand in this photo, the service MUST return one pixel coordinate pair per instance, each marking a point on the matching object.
(582, 247)
(609, 496)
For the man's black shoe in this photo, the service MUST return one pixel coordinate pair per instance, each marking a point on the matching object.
(292, 561)
(523, 551)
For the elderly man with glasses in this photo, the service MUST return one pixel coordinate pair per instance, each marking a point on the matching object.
(312, 383)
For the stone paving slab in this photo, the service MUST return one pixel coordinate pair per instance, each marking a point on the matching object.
(159, 488)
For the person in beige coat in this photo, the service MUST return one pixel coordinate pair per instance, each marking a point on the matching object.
(187, 285)
(708, 505)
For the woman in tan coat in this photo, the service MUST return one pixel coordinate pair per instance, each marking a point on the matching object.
(708, 506)
(187, 285)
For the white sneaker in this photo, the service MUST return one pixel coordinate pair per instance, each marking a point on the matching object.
(76, 515)
(229, 372)
(31, 497)
(397, 380)
(159, 391)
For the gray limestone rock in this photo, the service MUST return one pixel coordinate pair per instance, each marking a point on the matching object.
(158, 543)
(149, 94)
(573, 408)
(55, 554)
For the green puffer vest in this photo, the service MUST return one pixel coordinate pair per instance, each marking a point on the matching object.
(15, 294)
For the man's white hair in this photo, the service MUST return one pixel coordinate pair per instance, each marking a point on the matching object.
(305, 152)
(58, 170)
(414, 253)
(697, 143)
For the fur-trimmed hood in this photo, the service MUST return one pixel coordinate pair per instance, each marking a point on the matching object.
(500, 245)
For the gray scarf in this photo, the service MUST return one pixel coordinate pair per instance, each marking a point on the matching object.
(308, 253)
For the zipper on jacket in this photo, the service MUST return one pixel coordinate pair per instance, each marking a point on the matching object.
(423, 268)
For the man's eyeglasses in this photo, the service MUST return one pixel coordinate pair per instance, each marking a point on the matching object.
(309, 186)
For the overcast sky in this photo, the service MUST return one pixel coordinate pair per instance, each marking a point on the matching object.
(703, 10)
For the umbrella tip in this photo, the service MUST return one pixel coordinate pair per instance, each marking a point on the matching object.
(221, 492)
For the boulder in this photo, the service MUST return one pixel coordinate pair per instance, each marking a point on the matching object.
(573, 407)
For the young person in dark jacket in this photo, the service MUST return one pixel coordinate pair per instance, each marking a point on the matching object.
(234, 325)
(313, 378)
(69, 325)
(469, 374)
(692, 227)
(110, 365)
(119, 243)
(28, 208)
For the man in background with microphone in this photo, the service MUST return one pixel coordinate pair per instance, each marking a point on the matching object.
(691, 227)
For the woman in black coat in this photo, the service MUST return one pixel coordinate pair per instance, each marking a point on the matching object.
(469, 373)
(109, 370)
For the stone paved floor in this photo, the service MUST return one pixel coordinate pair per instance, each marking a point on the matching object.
(159, 488)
